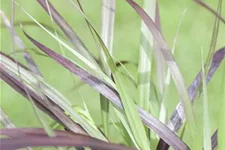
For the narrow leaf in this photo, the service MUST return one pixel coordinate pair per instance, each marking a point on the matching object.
(206, 121)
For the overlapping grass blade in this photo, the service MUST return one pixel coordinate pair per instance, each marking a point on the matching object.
(52, 94)
(68, 31)
(206, 120)
(178, 117)
(20, 138)
(110, 93)
(32, 65)
(54, 112)
(107, 35)
(175, 72)
(85, 62)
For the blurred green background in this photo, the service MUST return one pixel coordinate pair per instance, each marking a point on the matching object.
(196, 31)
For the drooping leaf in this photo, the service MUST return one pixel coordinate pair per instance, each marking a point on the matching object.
(20, 138)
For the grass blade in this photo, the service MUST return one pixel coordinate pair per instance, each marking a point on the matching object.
(214, 38)
(214, 140)
(175, 72)
(206, 122)
(32, 24)
(20, 138)
(221, 129)
(68, 31)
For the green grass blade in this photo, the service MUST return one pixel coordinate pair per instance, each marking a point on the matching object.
(145, 58)
(221, 129)
(206, 122)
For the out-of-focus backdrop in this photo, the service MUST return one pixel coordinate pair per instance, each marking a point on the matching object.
(195, 32)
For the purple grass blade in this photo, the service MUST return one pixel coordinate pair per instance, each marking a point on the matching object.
(178, 116)
(214, 140)
(160, 62)
(110, 93)
(35, 139)
(68, 31)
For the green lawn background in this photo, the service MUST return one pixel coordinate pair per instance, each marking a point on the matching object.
(195, 32)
